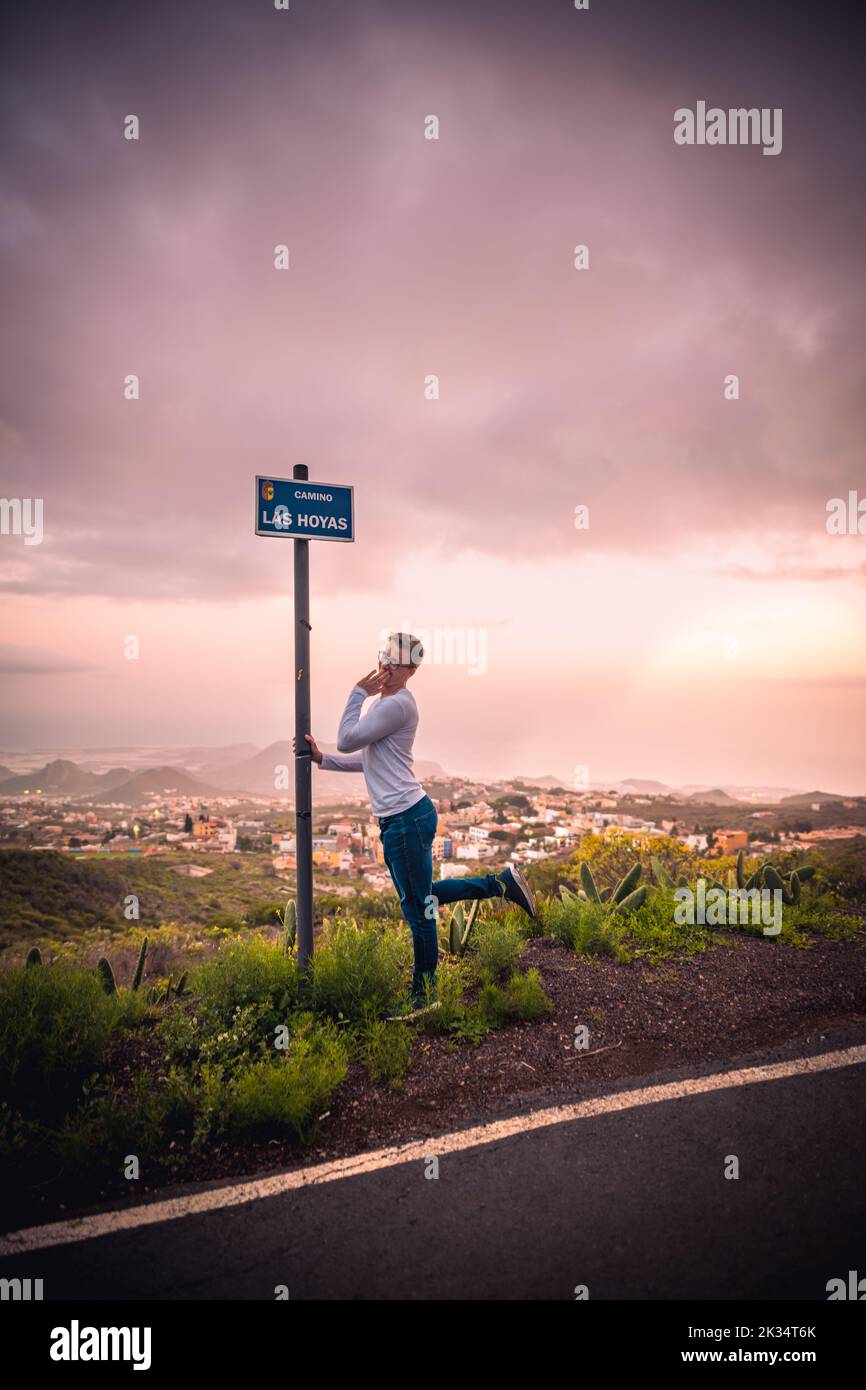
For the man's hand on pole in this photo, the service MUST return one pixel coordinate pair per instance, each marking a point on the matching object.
(315, 751)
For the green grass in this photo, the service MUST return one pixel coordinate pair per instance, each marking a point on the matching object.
(55, 1029)
(359, 970)
(386, 1050)
(495, 945)
(246, 970)
(652, 931)
(76, 905)
(522, 999)
(288, 1092)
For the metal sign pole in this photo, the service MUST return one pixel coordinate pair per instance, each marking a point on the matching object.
(302, 512)
(303, 759)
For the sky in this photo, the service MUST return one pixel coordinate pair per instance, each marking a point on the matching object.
(704, 627)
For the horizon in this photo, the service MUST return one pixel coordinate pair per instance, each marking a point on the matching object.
(65, 754)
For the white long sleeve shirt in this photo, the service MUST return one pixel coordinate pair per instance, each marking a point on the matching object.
(379, 744)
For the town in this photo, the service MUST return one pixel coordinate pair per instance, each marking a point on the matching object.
(482, 825)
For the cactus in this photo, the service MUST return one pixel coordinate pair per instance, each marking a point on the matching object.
(139, 968)
(470, 918)
(181, 988)
(460, 927)
(290, 926)
(588, 882)
(151, 995)
(794, 888)
(34, 957)
(455, 931)
(805, 872)
(773, 879)
(166, 993)
(741, 877)
(624, 894)
(632, 901)
(627, 883)
(106, 976)
(662, 877)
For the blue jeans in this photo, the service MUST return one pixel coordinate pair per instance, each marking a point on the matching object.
(407, 840)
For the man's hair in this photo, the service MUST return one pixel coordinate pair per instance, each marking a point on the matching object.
(410, 649)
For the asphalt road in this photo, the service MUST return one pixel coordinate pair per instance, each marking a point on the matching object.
(632, 1204)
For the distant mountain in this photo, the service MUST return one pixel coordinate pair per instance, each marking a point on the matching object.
(547, 782)
(768, 796)
(754, 796)
(64, 778)
(160, 780)
(714, 797)
(642, 786)
(5, 772)
(256, 775)
(808, 798)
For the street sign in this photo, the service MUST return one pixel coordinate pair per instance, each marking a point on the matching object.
(304, 510)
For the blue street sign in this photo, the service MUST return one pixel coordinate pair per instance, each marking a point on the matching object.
(304, 510)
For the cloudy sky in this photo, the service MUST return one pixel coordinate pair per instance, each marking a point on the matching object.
(705, 627)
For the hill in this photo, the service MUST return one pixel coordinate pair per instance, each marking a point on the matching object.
(160, 780)
(642, 786)
(809, 798)
(256, 775)
(714, 797)
(64, 777)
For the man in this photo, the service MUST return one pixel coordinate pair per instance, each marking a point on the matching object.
(379, 744)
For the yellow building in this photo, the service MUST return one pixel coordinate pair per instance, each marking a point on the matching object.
(729, 841)
(327, 858)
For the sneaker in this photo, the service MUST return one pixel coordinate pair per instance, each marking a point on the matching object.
(415, 1008)
(517, 890)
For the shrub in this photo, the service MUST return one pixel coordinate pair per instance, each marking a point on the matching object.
(290, 1092)
(386, 1049)
(495, 946)
(55, 1028)
(449, 989)
(523, 998)
(653, 932)
(588, 928)
(526, 996)
(249, 1032)
(105, 1128)
(821, 914)
(247, 971)
(358, 971)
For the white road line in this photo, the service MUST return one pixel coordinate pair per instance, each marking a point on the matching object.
(196, 1203)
